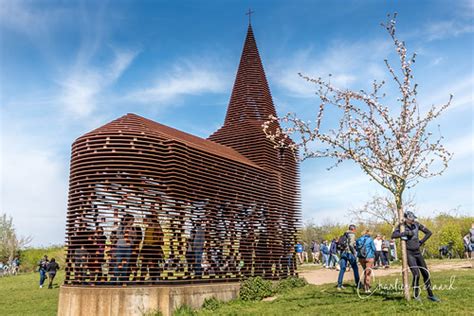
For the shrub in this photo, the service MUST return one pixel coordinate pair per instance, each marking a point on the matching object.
(255, 289)
(211, 303)
(184, 310)
(31, 256)
(289, 283)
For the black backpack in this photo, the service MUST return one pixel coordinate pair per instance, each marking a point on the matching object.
(343, 243)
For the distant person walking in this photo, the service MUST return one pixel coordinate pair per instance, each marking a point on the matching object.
(325, 253)
(16, 265)
(466, 240)
(366, 253)
(393, 250)
(315, 251)
(333, 258)
(385, 252)
(378, 251)
(52, 268)
(471, 246)
(42, 266)
(346, 246)
(299, 252)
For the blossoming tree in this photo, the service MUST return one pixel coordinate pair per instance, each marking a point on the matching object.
(394, 145)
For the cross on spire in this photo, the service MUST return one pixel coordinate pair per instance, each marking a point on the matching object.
(249, 13)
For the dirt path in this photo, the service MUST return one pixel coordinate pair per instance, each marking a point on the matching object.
(324, 276)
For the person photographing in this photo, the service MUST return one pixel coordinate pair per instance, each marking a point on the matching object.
(416, 262)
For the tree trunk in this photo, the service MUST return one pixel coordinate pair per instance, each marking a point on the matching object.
(403, 244)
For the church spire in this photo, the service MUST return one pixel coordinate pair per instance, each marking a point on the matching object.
(251, 98)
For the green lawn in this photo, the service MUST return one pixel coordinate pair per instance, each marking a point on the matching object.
(20, 295)
(326, 300)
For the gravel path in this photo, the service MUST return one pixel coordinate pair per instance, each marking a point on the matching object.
(325, 276)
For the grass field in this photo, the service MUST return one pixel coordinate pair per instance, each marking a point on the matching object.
(20, 295)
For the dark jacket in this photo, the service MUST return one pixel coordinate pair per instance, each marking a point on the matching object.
(412, 234)
(52, 267)
(333, 248)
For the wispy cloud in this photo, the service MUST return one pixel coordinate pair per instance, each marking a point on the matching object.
(460, 88)
(33, 185)
(83, 85)
(445, 29)
(185, 78)
(347, 62)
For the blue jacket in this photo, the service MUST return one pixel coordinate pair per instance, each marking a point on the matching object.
(369, 245)
(324, 249)
(299, 248)
(333, 248)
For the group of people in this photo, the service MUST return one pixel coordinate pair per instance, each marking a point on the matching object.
(12, 267)
(468, 242)
(47, 270)
(328, 254)
(347, 251)
(364, 248)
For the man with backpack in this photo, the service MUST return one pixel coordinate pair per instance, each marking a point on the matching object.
(346, 245)
(366, 253)
(416, 262)
(42, 266)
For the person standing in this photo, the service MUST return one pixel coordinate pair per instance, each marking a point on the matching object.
(416, 262)
(52, 268)
(126, 238)
(471, 246)
(378, 251)
(467, 245)
(333, 258)
(152, 253)
(315, 250)
(347, 247)
(299, 252)
(16, 265)
(385, 253)
(393, 250)
(325, 253)
(42, 266)
(366, 252)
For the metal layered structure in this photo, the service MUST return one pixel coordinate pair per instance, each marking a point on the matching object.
(149, 204)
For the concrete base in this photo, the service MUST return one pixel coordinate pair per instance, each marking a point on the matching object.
(111, 301)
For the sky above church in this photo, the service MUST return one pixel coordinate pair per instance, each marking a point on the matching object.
(67, 67)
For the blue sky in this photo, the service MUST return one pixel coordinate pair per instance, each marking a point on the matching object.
(68, 67)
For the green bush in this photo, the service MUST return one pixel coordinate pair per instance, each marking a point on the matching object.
(255, 289)
(289, 283)
(30, 257)
(211, 303)
(184, 310)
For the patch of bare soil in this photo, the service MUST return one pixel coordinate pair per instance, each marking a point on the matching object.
(325, 276)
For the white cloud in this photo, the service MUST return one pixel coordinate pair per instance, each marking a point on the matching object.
(83, 85)
(185, 78)
(347, 62)
(33, 187)
(460, 88)
(446, 29)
